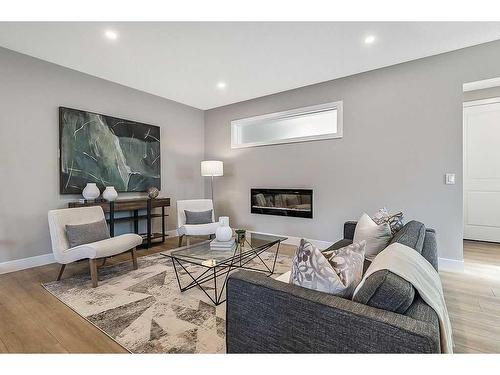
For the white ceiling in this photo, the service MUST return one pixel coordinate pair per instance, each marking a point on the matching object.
(185, 61)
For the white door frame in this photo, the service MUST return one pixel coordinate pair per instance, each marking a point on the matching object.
(474, 103)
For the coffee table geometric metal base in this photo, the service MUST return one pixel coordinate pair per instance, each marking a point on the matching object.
(219, 263)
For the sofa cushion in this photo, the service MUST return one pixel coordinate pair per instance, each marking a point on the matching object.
(106, 248)
(82, 234)
(198, 217)
(198, 229)
(386, 290)
(349, 229)
(411, 235)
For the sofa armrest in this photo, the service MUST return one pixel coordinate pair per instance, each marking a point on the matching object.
(268, 316)
(349, 228)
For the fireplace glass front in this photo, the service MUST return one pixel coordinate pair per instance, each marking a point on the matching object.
(282, 202)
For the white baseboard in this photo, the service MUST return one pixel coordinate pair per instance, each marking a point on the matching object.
(40, 260)
(450, 265)
(24, 263)
(172, 233)
(291, 240)
(445, 264)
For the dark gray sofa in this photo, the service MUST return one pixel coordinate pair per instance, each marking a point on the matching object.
(268, 316)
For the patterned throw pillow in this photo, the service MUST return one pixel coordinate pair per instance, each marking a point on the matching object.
(395, 221)
(337, 272)
(348, 262)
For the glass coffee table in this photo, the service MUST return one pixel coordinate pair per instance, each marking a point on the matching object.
(220, 263)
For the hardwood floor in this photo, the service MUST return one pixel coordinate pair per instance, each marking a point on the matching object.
(33, 321)
(473, 299)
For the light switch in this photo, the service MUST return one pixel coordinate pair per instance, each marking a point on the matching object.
(450, 179)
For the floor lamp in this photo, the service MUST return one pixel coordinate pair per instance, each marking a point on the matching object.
(212, 168)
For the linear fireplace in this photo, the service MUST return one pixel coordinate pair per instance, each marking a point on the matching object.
(282, 202)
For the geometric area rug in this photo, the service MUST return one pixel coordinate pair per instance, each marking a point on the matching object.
(144, 311)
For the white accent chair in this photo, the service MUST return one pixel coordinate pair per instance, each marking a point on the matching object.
(187, 230)
(64, 254)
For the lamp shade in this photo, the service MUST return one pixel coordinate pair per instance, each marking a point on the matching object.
(212, 168)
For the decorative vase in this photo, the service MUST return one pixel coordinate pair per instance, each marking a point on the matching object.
(91, 191)
(110, 193)
(153, 192)
(223, 232)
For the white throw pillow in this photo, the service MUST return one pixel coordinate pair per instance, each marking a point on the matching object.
(377, 237)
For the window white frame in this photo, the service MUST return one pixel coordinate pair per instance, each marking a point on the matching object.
(236, 125)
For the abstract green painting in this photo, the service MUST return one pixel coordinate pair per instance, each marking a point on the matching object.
(108, 151)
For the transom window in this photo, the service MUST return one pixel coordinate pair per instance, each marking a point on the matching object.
(312, 123)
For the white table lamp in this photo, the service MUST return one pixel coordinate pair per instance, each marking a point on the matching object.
(212, 168)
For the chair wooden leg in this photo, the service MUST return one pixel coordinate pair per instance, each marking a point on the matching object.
(93, 272)
(180, 241)
(59, 276)
(134, 258)
(188, 241)
(103, 262)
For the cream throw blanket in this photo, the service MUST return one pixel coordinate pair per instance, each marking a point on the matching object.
(414, 268)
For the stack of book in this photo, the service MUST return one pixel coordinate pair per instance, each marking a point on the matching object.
(223, 245)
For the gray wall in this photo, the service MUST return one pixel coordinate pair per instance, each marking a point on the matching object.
(402, 133)
(30, 93)
(492, 92)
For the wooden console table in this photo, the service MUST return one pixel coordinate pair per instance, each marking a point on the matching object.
(134, 206)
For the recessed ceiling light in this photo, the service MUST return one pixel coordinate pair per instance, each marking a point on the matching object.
(221, 85)
(111, 34)
(370, 39)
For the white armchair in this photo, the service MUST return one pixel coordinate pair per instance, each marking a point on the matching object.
(187, 230)
(64, 254)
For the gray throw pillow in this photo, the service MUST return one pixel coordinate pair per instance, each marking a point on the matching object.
(82, 234)
(198, 217)
(387, 291)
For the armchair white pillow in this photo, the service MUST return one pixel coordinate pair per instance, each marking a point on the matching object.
(377, 236)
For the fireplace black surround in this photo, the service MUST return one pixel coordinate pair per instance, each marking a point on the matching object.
(282, 202)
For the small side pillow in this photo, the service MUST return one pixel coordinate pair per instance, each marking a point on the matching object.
(376, 236)
(82, 234)
(395, 221)
(198, 217)
(337, 272)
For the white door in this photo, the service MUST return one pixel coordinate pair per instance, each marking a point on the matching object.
(482, 170)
